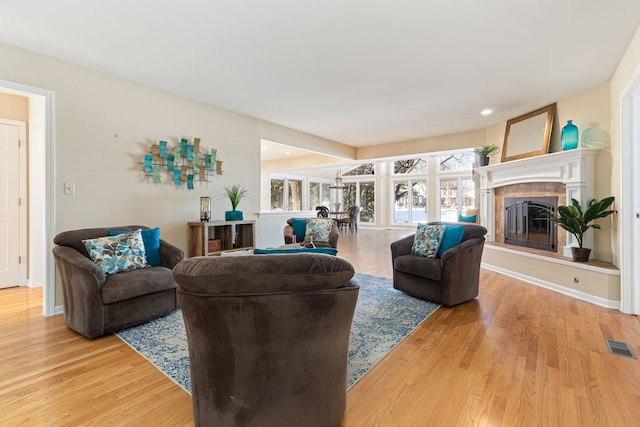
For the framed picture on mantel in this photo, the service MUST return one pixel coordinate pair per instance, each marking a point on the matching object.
(528, 135)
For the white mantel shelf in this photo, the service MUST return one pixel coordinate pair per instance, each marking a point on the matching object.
(573, 168)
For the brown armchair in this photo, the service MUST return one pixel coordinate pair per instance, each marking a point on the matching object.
(451, 279)
(96, 303)
(268, 338)
(289, 232)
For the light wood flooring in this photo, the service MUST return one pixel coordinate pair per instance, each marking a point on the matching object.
(519, 355)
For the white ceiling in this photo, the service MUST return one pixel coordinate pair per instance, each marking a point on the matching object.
(360, 72)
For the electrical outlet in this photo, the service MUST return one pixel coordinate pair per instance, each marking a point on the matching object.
(70, 188)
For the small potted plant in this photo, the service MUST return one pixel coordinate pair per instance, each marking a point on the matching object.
(484, 152)
(235, 193)
(576, 221)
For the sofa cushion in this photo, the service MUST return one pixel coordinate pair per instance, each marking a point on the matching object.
(328, 251)
(262, 273)
(318, 230)
(119, 253)
(452, 236)
(151, 239)
(427, 240)
(429, 268)
(136, 283)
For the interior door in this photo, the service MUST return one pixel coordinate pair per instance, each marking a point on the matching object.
(9, 206)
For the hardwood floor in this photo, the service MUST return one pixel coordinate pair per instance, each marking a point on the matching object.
(519, 355)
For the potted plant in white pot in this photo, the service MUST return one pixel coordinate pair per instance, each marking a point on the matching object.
(484, 152)
(576, 221)
(235, 193)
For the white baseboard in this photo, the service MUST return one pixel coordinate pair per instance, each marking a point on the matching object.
(555, 287)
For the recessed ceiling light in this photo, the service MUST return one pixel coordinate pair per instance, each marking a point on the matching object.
(287, 152)
(264, 148)
(486, 111)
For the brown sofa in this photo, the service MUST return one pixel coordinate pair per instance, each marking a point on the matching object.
(268, 337)
(333, 237)
(451, 279)
(96, 303)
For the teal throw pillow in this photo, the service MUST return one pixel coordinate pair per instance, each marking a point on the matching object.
(151, 239)
(470, 218)
(452, 236)
(318, 230)
(114, 254)
(299, 228)
(427, 240)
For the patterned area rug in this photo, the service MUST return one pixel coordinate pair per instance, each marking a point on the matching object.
(383, 317)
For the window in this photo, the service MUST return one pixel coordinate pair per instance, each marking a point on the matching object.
(277, 194)
(419, 165)
(295, 195)
(456, 194)
(319, 194)
(362, 194)
(367, 204)
(363, 169)
(457, 161)
(287, 193)
(410, 204)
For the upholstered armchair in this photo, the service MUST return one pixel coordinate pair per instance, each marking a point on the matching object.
(297, 227)
(450, 279)
(96, 303)
(268, 338)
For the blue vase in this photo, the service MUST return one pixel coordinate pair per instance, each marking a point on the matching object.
(569, 136)
(233, 215)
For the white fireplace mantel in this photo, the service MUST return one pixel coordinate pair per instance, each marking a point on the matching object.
(573, 168)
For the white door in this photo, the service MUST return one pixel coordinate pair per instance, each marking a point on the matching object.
(9, 206)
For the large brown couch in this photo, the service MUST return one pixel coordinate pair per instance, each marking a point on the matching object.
(450, 279)
(268, 338)
(96, 303)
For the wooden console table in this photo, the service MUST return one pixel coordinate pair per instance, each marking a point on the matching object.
(226, 236)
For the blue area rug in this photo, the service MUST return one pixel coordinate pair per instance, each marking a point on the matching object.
(383, 317)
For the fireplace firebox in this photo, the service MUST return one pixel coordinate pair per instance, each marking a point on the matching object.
(525, 225)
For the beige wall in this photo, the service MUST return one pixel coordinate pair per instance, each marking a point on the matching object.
(14, 107)
(629, 64)
(111, 189)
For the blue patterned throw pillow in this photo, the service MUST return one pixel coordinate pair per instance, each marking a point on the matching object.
(318, 229)
(114, 254)
(151, 240)
(427, 240)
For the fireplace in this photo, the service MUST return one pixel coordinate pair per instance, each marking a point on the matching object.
(524, 223)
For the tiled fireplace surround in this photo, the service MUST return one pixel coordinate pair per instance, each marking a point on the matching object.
(567, 174)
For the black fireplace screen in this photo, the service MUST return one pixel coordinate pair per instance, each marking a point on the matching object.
(524, 223)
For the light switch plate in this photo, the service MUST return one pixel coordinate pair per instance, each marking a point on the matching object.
(70, 188)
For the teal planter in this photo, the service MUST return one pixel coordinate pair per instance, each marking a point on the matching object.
(569, 137)
(233, 215)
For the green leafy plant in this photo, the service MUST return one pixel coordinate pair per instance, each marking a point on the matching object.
(486, 150)
(575, 221)
(236, 193)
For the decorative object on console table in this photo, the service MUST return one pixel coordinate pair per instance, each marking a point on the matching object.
(484, 152)
(235, 193)
(205, 209)
(575, 221)
(569, 137)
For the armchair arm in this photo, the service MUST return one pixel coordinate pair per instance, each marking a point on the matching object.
(170, 255)
(74, 263)
(288, 234)
(333, 236)
(461, 263)
(402, 246)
